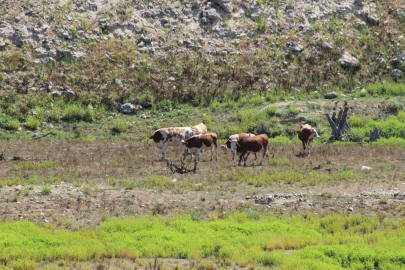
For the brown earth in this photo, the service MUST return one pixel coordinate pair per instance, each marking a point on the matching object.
(94, 181)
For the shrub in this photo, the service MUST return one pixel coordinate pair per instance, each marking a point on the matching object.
(32, 123)
(46, 190)
(356, 121)
(74, 112)
(359, 134)
(271, 110)
(12, 124)
(292, 110)
(119, 126)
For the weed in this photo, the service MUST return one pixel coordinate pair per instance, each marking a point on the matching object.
(46, 190)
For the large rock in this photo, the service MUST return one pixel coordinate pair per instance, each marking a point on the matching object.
(396, 73)
(326, 46)
(129, 108)
(212, 14)
(40, 52)
(331, 95)
(225, 4)
(347, 60)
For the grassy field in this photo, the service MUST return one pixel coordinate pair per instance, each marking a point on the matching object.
(91, 204)
(291, 242)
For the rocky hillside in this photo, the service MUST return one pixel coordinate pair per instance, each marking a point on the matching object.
(138, 51)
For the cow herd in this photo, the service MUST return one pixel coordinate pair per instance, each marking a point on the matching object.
(195, 139)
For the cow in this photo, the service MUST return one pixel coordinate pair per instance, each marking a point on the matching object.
(306, 135)
(231, 142)
(166, 137)
(247, 145)
(197, 142)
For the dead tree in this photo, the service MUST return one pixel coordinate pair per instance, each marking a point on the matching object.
(339, 125)
(182, 168)
(375, 135)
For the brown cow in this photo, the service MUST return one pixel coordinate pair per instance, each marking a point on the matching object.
(306, 135)
(249, 145)
(231, 142)
(197, 142)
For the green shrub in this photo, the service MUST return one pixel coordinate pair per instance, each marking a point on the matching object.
(271, 110)
(119, 126)
(359, 134)
(12, 124)
(46, 190)
(32, 123)
(356, 121)
(292, 110)
(74, 112)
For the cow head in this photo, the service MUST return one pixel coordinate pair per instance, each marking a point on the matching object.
(224, 148)
(314, 134)
(182, 145)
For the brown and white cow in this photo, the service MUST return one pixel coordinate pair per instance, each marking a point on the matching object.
(166, 137)
(306, 135)
(247, 145)
(197, 142)
(231, 142)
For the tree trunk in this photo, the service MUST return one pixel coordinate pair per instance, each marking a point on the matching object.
(374, 135)
(339, 125)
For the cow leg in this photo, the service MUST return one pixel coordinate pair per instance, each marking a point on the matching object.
(309, 144)
(303, 144)
(216, 152)
(240, 158)
(164, 147)
(246, 158)
(264, 153)
(198, 154)
(255, 156)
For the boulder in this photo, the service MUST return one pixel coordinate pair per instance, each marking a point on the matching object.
(326, 46)
(346, 60)
(331, 95)
(40, 52)
(226, 5)
(129, 108)
(396, 73)
(211, 14)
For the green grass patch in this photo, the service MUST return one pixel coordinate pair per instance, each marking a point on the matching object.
(33, 166)
(331, 242)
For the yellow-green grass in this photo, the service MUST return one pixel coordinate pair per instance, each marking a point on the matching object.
(332, 242)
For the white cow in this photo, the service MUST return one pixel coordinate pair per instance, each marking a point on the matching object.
(166, 137)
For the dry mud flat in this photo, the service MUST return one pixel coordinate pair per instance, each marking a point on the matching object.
(84, 183)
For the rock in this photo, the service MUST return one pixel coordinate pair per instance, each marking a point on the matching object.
(347, 60)
(128, 108)
(119, 83)
(68, 92)
(400, 13)
(326, 46)
(361, 25)
(331, 95)
(211, 14)
(373, 19)
(55, 93)
(296, 48)
(40, 52)
(174, 180)
(366, 168)
(142, 116)
(342, 95)
(350, 209)
(34, 135)
(226, 5)
(396, 73)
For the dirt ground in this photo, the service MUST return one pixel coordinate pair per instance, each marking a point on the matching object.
(91, 182)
